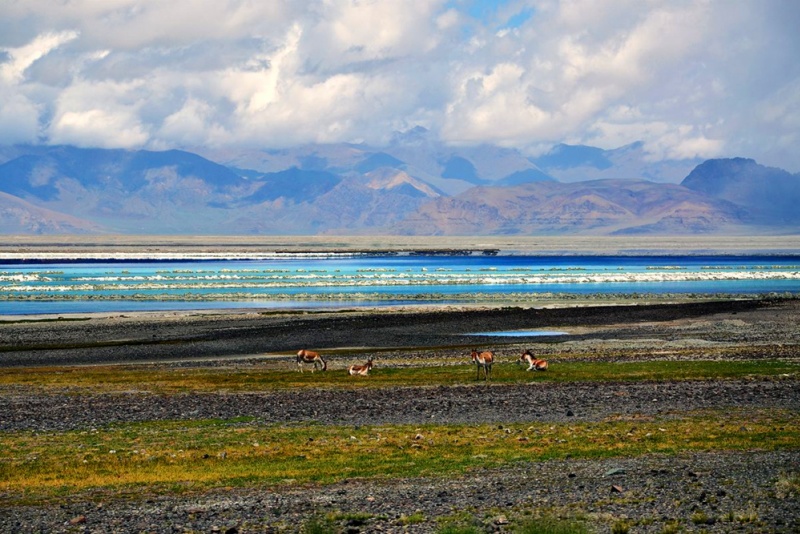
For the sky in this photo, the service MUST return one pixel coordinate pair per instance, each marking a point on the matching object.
(690, 79)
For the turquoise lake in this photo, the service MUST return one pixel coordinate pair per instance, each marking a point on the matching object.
(311, 281)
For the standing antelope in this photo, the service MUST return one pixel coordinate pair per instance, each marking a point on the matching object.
(534, 364)
(305, 356)
(483, 360)
(361, 370)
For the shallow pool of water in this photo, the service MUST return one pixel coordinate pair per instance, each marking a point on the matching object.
(519, 333)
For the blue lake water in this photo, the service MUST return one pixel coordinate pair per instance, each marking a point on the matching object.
(519, 333)
(33, 287)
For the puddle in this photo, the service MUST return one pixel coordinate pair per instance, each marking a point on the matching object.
(519, 333)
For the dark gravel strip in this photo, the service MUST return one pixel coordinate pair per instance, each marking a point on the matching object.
(171, 337)
(478, 403)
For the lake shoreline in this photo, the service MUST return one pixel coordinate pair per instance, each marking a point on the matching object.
(21, 246)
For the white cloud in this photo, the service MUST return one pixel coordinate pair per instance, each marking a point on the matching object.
(573, 74)
(193, 125)
(98, 128)
(19, 119)
(19, 111)
(352, 32)
(688, 78)
(104, 114)
(494, 107)
(20, 58)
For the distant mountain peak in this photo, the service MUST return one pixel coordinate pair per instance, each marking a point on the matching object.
(461, 168)
(524, 177)
(415, 136)
(391, 179)
(563, 156)
(577, 163)
(770, 195)
(377, 160)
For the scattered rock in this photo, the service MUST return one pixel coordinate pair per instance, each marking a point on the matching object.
(78, 520)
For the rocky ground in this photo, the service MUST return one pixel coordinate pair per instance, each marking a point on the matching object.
(702, 491)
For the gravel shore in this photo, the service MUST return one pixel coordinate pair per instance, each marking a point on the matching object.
(699, 491)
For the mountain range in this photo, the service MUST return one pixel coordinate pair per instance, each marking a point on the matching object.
(412, 186)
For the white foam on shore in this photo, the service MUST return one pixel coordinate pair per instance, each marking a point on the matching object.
(33, 282)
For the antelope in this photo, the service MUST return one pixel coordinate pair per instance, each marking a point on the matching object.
(534, 364)
(483, 360)
(305, 356)
(361, 370)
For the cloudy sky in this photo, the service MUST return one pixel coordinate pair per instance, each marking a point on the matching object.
(689, 78)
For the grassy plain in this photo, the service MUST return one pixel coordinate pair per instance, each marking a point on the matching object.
(165, 380)
(181, 456)
(191, 455)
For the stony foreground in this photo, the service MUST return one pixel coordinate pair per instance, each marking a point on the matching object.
(716, 492)
(706, 491)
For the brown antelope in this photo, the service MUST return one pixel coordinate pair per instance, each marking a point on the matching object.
(484, 361)
(361, 370)
(534, 364)
(309, 357)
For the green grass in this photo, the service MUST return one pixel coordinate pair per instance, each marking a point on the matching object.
(788, 486)
(552, 526)
(180, 456)
(97, 379)
(459, 529)
(166, 457)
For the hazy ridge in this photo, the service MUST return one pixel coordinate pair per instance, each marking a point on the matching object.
(415, 186)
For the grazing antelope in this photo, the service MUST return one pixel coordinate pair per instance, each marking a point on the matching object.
(534, 364)
(483, 360)
(361, 370)
(309, 357)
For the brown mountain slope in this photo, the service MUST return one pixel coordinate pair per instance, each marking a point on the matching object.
(596, 207)
(357, 204)
(20, 217)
